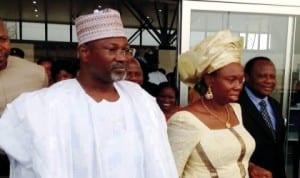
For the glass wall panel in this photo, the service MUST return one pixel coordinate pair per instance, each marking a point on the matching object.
(268, 30)
(58, 32)
(129, 32)
(148, 40)
(33, 31)
(13, 30)
(256, 31)
(293, 150)
(74, 35)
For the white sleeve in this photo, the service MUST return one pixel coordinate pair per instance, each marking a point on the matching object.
(184, 135)
(14, 134)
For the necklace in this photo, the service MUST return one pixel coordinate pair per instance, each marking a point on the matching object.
(227, 122)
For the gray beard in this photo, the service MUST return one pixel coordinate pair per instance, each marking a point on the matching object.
(117, 76)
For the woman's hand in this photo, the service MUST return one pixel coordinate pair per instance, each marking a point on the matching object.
(258, 172)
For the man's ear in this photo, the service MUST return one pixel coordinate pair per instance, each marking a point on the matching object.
(83, 52)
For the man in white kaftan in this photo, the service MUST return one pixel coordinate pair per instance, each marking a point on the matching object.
(94, 126)
(61, 132)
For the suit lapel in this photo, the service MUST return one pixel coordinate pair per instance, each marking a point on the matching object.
(254, 114)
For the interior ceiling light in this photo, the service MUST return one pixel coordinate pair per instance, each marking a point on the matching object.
(159, 10)
(34, 2)
(36, 15)
(36, 10)
(99, 6)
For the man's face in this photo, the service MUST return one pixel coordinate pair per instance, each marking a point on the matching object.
(262, 79)
(106, 59)
(4, 46)
(135, 73)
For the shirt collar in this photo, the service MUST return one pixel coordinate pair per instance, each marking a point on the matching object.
(254, 98)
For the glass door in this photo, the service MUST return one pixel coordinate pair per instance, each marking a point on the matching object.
(265, 35)
(293, 149)
(268, 30)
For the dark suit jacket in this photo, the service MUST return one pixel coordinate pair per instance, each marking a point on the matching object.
(269, 152)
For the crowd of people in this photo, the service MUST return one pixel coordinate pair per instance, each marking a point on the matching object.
(106, 116)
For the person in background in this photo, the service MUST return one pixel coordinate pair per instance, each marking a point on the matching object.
(155, 74)
(97, 125)
(16, 77)
(17, 52)
(134, 71)
(207, 137)
(266, 126)
(64, 69)
(136, 74)
(47, 64)
(172, 76)
(151, 88)
(167, 98)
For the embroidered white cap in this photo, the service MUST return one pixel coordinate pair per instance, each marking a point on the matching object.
(101, 24)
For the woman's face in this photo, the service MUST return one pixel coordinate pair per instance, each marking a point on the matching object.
(166, 99)
(227, 83)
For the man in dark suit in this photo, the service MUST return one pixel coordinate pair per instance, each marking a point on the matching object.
(266, 125)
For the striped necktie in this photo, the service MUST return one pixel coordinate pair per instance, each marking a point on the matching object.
(265, 115)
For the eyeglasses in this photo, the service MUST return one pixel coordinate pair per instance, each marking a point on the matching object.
(124, 52)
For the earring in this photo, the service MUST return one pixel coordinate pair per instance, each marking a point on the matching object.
(209, 95)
